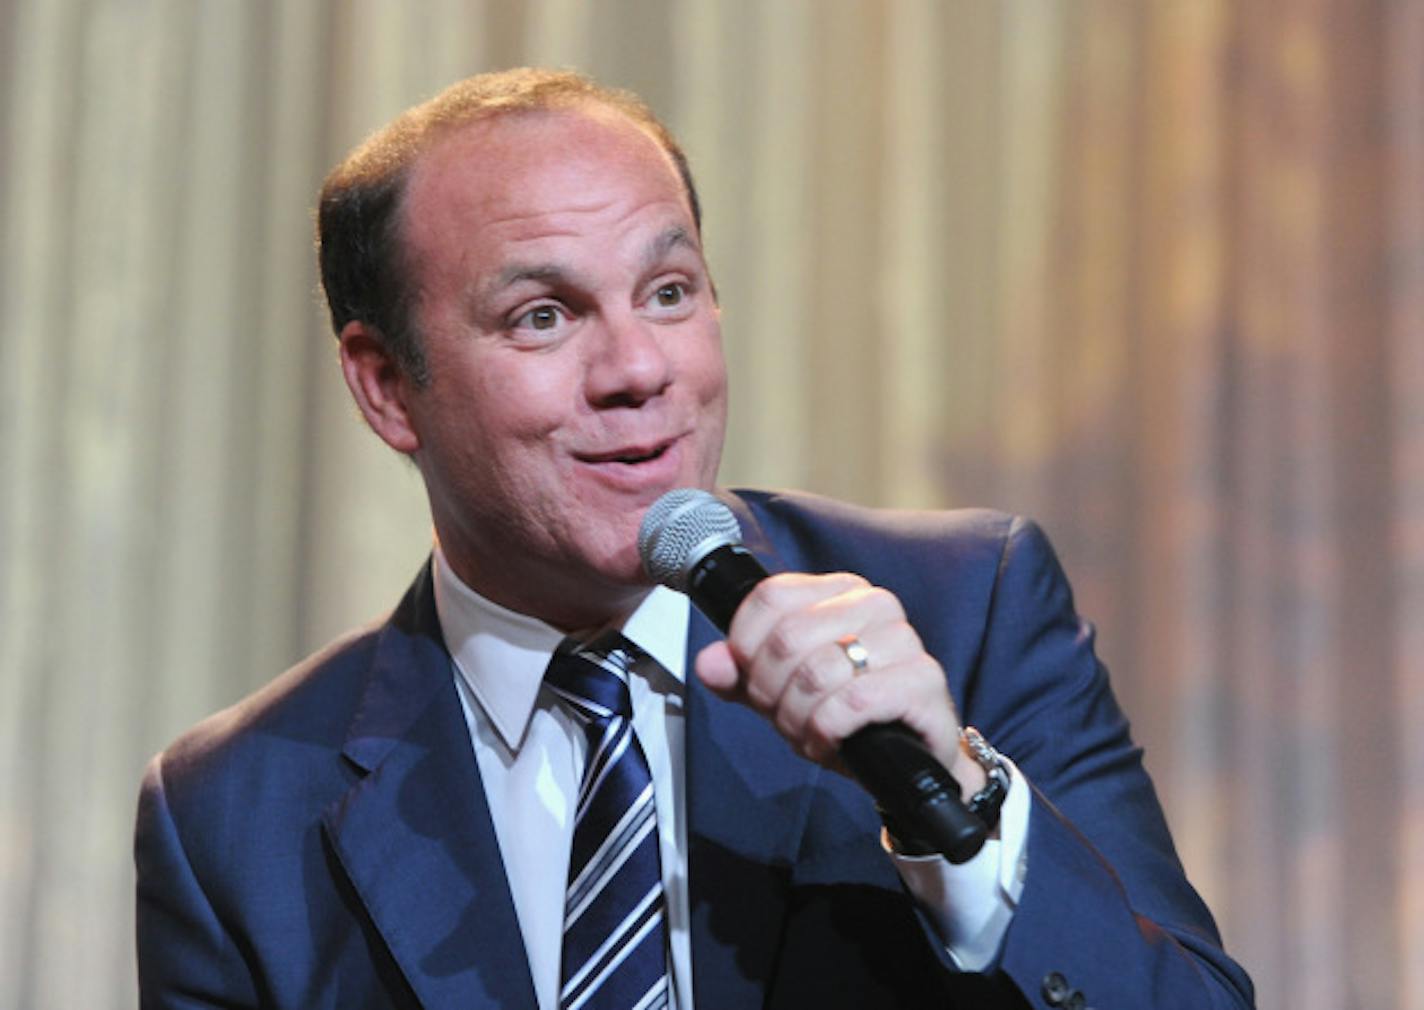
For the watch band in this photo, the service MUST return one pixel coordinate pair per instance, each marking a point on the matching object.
(987, 802)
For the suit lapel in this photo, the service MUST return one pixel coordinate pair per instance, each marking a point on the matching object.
(414, 835)
(747, 802)
(416, 840)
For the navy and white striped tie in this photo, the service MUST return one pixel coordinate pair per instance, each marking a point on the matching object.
(615, 933)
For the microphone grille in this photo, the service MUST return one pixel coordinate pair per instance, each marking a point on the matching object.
(680, 529)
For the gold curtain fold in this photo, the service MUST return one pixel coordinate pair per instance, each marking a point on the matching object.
(1150, 272)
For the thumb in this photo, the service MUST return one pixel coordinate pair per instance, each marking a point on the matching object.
(717, 670)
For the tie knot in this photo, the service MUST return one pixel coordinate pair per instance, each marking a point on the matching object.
(592, 677)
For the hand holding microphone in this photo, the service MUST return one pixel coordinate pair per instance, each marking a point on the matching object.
(796, 648)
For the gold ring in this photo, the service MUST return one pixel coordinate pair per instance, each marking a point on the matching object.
(855, 651)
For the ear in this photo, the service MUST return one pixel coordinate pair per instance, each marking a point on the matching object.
(379, 386)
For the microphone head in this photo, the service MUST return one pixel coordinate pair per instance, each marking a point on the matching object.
(679, 530)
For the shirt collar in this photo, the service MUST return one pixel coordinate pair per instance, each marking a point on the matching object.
(502, 654)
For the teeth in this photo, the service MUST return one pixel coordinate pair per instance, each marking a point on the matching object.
(628, 458)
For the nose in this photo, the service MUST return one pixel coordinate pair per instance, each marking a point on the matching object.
(628, 363)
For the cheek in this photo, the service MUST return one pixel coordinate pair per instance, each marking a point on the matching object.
(515, 447)
(710, 385)
(716, 388)
(711, 366)
(505, 409)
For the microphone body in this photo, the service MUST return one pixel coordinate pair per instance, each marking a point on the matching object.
(691, 542)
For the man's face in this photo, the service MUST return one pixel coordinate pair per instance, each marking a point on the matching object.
(574, 348)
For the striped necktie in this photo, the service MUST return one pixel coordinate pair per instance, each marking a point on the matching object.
(615, 933)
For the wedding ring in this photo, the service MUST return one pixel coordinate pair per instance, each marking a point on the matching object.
(855, 651)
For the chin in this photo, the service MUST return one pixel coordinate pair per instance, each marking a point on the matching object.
(623, 567)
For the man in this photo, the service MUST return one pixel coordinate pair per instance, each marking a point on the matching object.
(518, 288)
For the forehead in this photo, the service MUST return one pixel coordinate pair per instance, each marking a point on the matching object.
(522, 167)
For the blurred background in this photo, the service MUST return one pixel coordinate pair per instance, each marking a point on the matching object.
(1152, 272)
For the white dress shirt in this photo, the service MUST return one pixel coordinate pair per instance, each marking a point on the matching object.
(530, 753)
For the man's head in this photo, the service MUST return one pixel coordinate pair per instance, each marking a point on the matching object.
(363, 270)
(549, 260)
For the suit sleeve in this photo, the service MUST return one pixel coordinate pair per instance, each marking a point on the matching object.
(1106, 908)
(186, 958)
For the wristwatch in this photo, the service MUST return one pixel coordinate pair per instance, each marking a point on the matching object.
(986, 803)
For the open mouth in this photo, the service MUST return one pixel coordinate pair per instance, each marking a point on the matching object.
(640, 457)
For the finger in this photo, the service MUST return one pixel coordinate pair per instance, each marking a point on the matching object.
(912, 692)
(777, 597)
(801, 643)
(828, 666)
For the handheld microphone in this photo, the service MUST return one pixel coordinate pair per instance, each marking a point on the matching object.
(691, 542)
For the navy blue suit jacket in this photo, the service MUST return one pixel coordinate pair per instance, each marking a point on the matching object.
(326, 843)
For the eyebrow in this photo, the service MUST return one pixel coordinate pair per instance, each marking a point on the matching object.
(517, 272)
(664, 243)
(555, 273)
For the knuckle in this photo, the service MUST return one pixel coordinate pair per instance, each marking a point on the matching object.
(759, 600)
(781, 642)
(760, 695)
(806, 679)
(858, 694)
(886, 603)
(761, 595)
(773, 593)
(906, 636)
(854, 581)
(787, 639)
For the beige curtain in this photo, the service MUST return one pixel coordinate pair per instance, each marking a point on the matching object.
(1151, 272)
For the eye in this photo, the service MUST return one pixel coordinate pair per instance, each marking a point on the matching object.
(669, 295)
(541, 317)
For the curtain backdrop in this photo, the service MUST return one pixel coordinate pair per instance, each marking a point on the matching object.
(1150, 272)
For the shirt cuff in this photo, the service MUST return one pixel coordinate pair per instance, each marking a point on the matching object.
(972, 904)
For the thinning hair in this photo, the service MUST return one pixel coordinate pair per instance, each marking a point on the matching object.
(365, 271)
